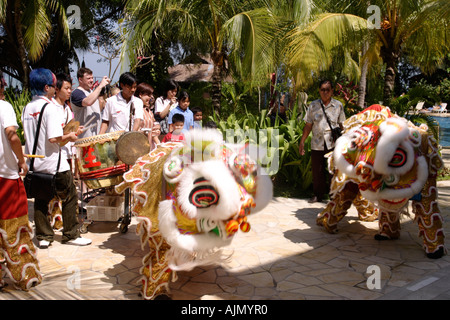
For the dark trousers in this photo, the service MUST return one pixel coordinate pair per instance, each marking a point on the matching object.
(67, 194)
(321, 176)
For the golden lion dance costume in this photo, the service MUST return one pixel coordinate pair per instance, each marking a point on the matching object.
(387, 160)
(191, 198)
(17, 250)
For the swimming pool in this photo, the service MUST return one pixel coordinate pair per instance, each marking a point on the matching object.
(444, 130)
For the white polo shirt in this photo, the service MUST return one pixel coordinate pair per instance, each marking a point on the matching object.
(51, 127)
(67, 115)
(117, 112)
(9, 167)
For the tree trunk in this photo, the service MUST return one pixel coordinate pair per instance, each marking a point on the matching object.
(389, 81)
(216, 79)
(21, 45)
(390, 58)
(363, 81)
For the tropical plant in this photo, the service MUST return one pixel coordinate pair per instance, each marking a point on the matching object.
(18, 101)
(235, 30)
(416, 27)
(278, 145)
(27, 28)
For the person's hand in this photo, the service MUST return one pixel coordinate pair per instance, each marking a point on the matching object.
(23, 168)
(156, 130)
(105, 81)
(301, 148)
(73, 136)
(80, 130)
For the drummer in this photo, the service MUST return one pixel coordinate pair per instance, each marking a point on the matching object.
(62, 96)
(124, 111)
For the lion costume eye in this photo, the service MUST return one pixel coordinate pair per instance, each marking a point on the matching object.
(399, 158)
(203, 195)
(173, 168)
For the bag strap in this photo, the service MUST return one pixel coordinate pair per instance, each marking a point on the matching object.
(37, 137)
(326, 117)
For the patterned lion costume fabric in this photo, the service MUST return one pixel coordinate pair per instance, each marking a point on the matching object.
(384, 159)
(190, 200)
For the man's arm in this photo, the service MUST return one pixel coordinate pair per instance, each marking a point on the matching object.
(104, 126)
(93, 96)
(306, 131)
(71, 136)
(137, 124)
(16, 147)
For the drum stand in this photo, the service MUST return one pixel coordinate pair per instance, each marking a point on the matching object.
(126, 212)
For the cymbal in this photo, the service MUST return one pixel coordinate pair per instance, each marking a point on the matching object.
(71, 126)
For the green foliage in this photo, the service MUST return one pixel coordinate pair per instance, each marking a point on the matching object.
(280, 141)
(18, 101)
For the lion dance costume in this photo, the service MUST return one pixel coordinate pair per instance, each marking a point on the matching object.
(17, 250)
(190, 200)
(387, 160)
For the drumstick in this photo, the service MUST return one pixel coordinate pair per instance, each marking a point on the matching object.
(34, 156)
(91, 126)
(89, 121)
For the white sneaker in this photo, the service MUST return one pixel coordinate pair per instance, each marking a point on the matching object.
(80, 241)
(43, 244)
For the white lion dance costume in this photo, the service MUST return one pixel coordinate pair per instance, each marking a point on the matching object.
(191, 198)
(387, 160)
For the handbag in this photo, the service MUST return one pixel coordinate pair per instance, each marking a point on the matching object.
(39, 185)
(335, 132)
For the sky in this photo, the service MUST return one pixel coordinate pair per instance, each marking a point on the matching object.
(99, 69)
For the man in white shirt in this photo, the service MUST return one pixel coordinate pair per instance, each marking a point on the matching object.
(14, 223)
(42, 84)
(124, 111)
(85, 104)
(62, 96)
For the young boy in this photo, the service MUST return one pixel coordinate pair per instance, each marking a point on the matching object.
(183, 109)
(177, 134)
(198, 117)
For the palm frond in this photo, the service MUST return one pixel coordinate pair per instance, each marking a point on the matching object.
(37, 28)
(309, 48)
(249, 36)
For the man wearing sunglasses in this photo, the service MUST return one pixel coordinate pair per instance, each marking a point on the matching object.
(321, 140)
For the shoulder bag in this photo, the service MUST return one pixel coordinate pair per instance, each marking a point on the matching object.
(335, 132)
(39, 185)
(163, 122)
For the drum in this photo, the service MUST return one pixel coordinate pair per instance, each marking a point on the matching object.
(132, 145)
(97, 161)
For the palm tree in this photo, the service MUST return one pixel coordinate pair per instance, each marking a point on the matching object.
(227, 30)
(27, 25)
(417, 27)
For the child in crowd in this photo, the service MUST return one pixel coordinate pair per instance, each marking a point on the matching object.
(177, 133)
(198, 117)
(183, 109)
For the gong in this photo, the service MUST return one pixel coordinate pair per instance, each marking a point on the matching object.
(131, 146)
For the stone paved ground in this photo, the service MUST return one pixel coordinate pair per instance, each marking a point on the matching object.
(285, 256)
